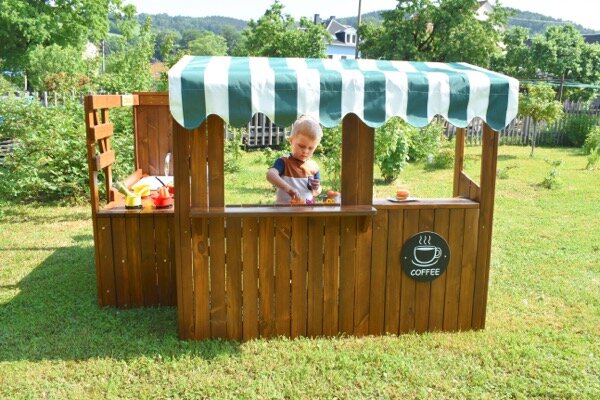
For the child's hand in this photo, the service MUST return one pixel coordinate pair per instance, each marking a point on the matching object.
(294, 194)
(314, 183)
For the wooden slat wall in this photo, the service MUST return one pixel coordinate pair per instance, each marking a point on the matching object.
(295, 276)
(154, 133)
(135, 265)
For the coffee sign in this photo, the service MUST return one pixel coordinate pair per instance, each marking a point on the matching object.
(425, 256)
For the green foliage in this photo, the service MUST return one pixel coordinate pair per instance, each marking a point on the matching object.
(442, 160)
(49, 161)
(5, 86)
(552, 180)
(538, 102)
(128, 67)
(25, 25)
(592, 141)
(502, 173)
(425, 141)
(60, 69)
(391, 148)
(233, 151)
(593, 159)
(578, 128)
(517, 60)
(122, 142)
(427, 30)
(208, 44)
(277, 35)
(331, 155)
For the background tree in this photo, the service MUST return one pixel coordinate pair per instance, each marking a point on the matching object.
(435, 30)
(516, 60)
(208, 44)
(128, 68)
(558, 53)
(24, 25)
(538, 102)
(56, 68)
(277, 35)
(232, 37)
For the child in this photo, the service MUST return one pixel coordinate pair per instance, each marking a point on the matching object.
(296, 176)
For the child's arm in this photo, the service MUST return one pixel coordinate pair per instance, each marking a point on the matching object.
(274, 178)
(315, 184)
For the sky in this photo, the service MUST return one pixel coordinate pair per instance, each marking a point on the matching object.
(583, 12)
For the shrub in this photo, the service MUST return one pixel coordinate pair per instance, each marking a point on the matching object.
(592, 141)
(49, 162)
(593, 159)
(233, 151)
(577, 129)
(425, 141)
(391, 148)
(442, 160)
(553, 180)
(331, 155)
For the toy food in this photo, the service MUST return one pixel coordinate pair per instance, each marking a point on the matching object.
(162, 198)
(142, 190)
(402, 194)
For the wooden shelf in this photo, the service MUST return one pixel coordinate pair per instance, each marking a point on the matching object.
(454, 202)
(117, 208)
(288, 211)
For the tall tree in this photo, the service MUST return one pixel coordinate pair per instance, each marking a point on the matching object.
(517, 60)
(537, 101)
(27, 24)
(435, 30)
(277, 35)
(558, 53)
(208, 44)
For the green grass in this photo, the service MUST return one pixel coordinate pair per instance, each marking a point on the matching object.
(542, 338)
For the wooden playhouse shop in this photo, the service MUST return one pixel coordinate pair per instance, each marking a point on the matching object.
(360, 267)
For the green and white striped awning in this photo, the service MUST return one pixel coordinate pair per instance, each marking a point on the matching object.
(235, 88)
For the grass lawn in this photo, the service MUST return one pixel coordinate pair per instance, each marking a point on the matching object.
(542, 338)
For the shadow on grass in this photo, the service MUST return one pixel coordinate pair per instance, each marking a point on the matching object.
(21, 214)
(55, 316)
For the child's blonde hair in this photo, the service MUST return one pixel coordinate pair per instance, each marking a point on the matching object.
(307, 125)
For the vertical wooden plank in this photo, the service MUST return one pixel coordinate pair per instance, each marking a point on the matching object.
(119, 245)
(148, 261)
(363, 274)
(378, 273)
(164, 135)
(266, 277)
(218, 307)
(216, 161)
(141, 138)
(299, 264)
(201, 278)
(250, 278)
(283, 235)
(455, 243)
(233, 273)
(486, 215)
(105, 271)
(365, 160)
(198, 167)
(407, 294)
(164, 261)
(153, 152)
(183, 246)
(316, 228)
(134, 259)
(459, 159)
(347, 274)
(423, 289)
(350, 145)
(393, 280)
(331, 275)
(467, 278)
(438, 285)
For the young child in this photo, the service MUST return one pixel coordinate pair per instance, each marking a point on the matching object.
(297, 176)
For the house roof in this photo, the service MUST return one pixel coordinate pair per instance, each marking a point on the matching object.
(592, 38)
(335, 28)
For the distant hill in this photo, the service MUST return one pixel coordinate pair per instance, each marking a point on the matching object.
(536, 23)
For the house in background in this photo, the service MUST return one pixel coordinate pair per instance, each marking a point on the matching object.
(343, 38)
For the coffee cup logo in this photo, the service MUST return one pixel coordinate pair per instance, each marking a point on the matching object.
(425, 256)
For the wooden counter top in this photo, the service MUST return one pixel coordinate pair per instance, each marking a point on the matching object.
(289, 211)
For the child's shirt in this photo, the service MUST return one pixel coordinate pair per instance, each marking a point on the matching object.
(296, 173)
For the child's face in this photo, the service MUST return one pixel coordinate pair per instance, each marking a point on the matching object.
(303, 146)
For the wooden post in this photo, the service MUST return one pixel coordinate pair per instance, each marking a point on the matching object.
(459, 159)
(486, 215)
